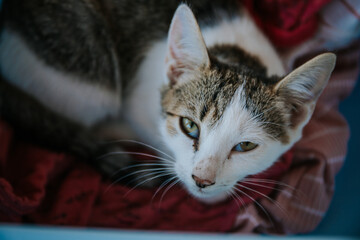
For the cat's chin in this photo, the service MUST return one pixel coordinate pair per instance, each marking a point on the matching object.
(210, 198)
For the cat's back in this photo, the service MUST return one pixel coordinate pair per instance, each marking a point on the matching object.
(62, 54)
(78, 56)
(82, 36)
(71, 36)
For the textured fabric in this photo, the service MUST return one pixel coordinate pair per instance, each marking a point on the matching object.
(286, 22)
(39, 186)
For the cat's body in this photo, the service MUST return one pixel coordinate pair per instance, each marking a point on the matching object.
(84, 62)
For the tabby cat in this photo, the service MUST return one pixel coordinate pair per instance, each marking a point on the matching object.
(197, 80)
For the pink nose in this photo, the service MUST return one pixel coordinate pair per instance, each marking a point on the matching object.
(202, 183)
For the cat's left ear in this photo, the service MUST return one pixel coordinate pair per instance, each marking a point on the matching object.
(303, 86)
(186, 49)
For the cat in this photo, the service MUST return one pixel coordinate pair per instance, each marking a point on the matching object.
(197, 80)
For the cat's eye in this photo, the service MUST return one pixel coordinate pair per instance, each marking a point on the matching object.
(244, 147)
(189, 128)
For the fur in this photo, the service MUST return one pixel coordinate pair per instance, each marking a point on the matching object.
(65, 94)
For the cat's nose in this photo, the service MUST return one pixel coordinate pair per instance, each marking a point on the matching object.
(202, 183)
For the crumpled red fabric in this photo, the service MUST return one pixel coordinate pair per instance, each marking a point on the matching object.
(287, 23)
(43, 187)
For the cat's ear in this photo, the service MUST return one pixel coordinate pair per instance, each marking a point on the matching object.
(186, 49)
(303, 86)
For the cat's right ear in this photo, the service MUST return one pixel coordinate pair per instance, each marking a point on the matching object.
(186, 49)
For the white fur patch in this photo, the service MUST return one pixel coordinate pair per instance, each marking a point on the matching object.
(216, 143)
(67, 95)
(142, 106)
(243, 32)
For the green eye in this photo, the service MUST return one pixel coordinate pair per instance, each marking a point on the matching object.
(244, 147)
(189, 127)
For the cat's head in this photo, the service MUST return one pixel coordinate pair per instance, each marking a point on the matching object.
(224, 121)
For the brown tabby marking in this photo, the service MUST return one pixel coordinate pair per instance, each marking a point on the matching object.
(210, 92)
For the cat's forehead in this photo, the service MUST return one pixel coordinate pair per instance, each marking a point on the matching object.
(212, 93)
(205, 98)
(208, 94)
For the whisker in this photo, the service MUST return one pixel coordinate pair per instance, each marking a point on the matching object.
(264, 186)
(237, 197)
(133, 173)
(296, 195)
(141, 143)
(141, 171)
(302, 194)
(147, 164)
(265, 196)
(258, 204)
(167, 189)
(161, 186)
(234, 198)
(146, 180)
(141, 165)
(133, 153)
(146, 175)
(268, 181)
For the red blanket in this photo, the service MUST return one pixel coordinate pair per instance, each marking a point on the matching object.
(39, 186)
(286, 22)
